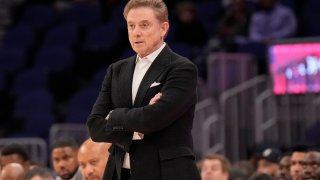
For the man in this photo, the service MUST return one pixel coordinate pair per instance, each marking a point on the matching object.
(297, 158)
(14, 153)
(92, 159)
(12, 171)
(39, 173)
(146, 104)
(273, 21)
(268, 162)
(284, 168)
(311, 166)
(64, 154)
(214, 167)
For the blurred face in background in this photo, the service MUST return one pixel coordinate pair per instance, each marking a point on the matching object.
(146, 32)
(311, 166)
(65, 162)
(284, 169)
(297, 159)
(267, 167)
(92, 159)
(212, 170)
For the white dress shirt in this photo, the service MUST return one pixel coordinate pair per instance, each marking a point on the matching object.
(142, 66)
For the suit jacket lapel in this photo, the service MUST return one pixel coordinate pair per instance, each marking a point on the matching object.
(125, 81)
(158, 65)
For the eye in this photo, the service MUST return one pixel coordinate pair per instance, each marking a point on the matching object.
(131, 26)
(144, 25)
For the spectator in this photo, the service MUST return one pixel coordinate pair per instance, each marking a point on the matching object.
(64, 154)
(15, 153)
(233, 26)
(235, 21)
(311, 165)
(92, 159)
(12, 171)
(214, 166)
(273, 21)
(296, 166)
(189, 29)
(39, 173)
(246, 167)
(284, 168)
(268, 162)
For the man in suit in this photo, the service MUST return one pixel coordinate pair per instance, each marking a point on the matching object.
(146, 104)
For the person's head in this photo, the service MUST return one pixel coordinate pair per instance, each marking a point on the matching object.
(186, 11)
(39, 173)
(311, 166)
(64, 157)
(12, 171)
(284, 168)
(14, 153)
(92, 159)
(214, 166)
(268, 161)
(147, 23)
(296, 166)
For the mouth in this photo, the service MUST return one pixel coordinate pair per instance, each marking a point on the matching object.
(138, 42)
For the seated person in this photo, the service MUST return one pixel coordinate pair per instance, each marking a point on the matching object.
(92, 159)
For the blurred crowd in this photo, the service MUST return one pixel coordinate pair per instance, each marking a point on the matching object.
(69, 161)
(300, 163)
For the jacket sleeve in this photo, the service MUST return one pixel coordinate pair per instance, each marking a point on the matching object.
(178, 95)
(97, 125)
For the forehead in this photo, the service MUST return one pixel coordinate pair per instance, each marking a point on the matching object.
(88, 154)
(141, 14)
(62, 151)
(10, 159)
(297, 156)
(212, 162)
(312, 157)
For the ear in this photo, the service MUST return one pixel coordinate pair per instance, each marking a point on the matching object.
(165, 29)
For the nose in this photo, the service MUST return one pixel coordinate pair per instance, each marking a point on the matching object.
(137, 31)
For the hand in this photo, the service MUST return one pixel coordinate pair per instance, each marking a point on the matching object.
(155, 98)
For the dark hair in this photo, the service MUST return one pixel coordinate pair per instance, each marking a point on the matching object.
(65, 142)
(18, 149)
(43, 172)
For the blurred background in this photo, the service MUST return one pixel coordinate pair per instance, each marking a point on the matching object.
(254, 90)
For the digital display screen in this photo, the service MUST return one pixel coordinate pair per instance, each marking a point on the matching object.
(295, 67)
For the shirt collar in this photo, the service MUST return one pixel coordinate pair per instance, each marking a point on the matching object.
(152, 56)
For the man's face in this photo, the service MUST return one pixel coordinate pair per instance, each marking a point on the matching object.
(284, 169)
(13, 158)
(92, 163)
(146, 32)
(267, 167)
(296, 165)
(212, 170)
(311, 166)
(65, 161)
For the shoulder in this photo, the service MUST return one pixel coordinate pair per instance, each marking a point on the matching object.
(178, 60)
(121, 63)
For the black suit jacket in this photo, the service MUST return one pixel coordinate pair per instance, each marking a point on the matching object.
(165, 153)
